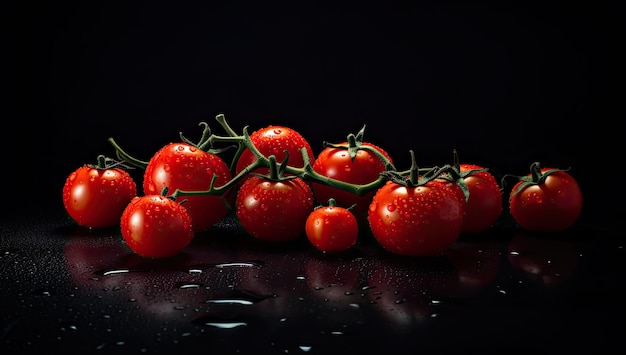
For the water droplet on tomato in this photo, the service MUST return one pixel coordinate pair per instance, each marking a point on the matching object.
(278, 131)
(391, 208)
(347, 168)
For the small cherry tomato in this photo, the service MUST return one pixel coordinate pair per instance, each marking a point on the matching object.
(331, 228)
(155, 226)
(546, 200)
(95, 195)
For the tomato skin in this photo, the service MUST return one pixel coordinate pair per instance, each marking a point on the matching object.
(484, 205)
(155, 226)
(415, 221)
(274, 140)
(332, 229)
(185, 167)
(364, 168)
(274, 211)
(96, 198)
(550, 206)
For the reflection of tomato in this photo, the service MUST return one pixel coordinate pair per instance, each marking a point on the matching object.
(477, 265)
(86, 253)
(101, 263)
(406, 292)
(334, 280)
(549, 260)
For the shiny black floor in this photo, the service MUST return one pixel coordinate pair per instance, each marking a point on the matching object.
(74, 290)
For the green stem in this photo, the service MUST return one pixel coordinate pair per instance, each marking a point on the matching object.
(121, 154)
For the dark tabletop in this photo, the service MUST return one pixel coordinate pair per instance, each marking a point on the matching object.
(76, 290)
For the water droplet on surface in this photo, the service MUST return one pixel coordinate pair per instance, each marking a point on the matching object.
(186, 285)
(240, 297)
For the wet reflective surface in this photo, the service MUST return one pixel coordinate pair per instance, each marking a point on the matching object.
(76, 290)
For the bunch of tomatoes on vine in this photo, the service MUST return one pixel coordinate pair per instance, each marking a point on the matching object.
(281, 191)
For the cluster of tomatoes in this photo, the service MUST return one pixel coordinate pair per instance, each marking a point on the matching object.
(280, 191)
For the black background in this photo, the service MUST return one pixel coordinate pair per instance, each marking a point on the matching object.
(505, 85)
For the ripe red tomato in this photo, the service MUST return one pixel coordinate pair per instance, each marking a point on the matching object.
(484, 203)
(155, 226)
(95, 196)
(546, 200)
(332, 228)
(186, 167)
(361, 168)
(421, 220)
(275, 140)
(274, 210)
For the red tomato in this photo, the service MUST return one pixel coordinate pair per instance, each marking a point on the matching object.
(422, 220)
(331, 228)
(155, 226)
(546, 200)
(95, 196)
(186, 167)
(274, 140)
(274, 211)
(484, 203)
(361, 168)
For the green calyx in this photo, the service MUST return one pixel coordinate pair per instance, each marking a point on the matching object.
(355, 143)
(536, 177)
(415, 176)
(103, 163)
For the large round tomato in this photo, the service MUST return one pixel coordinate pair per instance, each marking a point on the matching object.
(155, 226)
(275, 140)
(274, 210)
(421, 220)
(359, 168)
(546, 200)
(484, 203)
(95, 196)
(186, 167)
(331, 228)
